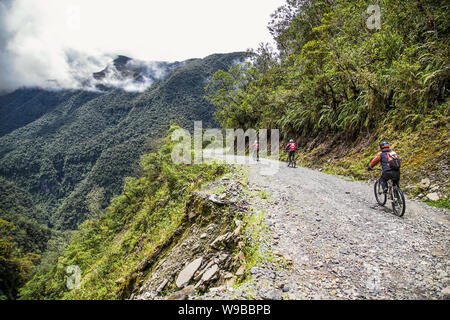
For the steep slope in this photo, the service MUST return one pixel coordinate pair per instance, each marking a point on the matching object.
(130, 74)
(23, 106)
(76, 154)
(115, 251)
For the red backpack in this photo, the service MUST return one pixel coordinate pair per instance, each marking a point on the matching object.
(292, 146)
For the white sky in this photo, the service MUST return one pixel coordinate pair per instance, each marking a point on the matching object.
(154, 30)
(38, 36)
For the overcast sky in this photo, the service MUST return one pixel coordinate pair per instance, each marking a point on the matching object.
(45, 39)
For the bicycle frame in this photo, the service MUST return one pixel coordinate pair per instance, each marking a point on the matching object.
(396, 201)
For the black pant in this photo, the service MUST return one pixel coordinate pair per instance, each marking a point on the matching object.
(291, 156)
(388, 175)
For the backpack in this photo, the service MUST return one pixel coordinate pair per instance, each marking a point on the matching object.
(292, 146)
(393, 160)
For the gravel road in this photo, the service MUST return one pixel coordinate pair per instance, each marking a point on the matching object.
(340, 244)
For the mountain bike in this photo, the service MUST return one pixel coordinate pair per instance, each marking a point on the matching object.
(394, 193)
(292, 162)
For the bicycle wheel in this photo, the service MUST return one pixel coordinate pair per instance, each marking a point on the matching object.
(398, 201)
(379, 194)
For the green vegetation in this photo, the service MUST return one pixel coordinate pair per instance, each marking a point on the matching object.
(255, 229)
(339, 87)
(62, 146)
(143, 217)
(442, 203)
(65, 154)
(22, 238)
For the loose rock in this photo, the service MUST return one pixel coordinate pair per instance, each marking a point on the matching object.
(188, 272)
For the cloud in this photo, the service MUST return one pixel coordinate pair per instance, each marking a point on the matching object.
(50, 43)
(31, 54)
(130, 74)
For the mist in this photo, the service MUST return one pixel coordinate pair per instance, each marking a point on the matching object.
(61, 43)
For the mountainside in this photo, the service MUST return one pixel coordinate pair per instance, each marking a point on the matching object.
(71, 149)
(155, 213)
(23, 238)
(132, 74)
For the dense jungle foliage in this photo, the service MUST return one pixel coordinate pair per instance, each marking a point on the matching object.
(71, 150)
(338, 84)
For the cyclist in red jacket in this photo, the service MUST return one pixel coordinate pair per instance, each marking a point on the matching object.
(256, 150)
(291, 147)
(390, 165)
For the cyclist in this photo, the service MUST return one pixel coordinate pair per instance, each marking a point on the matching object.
(291, 148)
(256, 149)
(390, 165)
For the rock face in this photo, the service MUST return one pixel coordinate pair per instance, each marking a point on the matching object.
(203, 254)
(187, 273)
(124, 69)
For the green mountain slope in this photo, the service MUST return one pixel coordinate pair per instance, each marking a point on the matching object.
(22, 238)
(73, 155)
(23, 106)
(136, 224)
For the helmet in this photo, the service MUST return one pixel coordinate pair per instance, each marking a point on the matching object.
(291, 140)
(384, 144)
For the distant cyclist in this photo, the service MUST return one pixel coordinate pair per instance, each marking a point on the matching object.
(390, 165)
(291, 148)
(256, 150)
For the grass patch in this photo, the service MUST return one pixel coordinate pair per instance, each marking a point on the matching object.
(442, 203)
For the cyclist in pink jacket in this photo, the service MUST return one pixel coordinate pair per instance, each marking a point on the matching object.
(291, 147)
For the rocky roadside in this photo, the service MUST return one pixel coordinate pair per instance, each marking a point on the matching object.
(207, 252)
